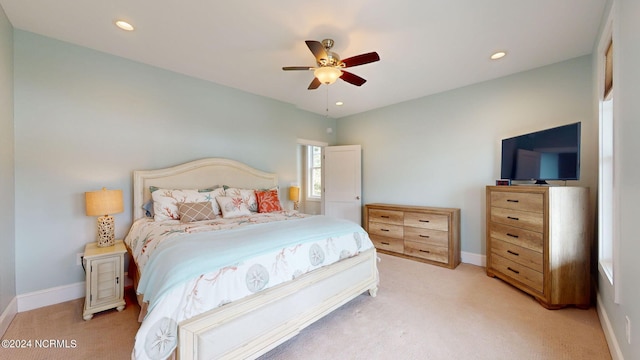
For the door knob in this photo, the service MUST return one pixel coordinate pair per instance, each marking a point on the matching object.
(357, 197)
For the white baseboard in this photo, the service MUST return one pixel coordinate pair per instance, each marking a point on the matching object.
(56, 295)
(51, 296)
(7, 315)
(473, 259)
(610, 336)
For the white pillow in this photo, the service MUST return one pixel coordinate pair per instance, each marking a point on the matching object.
(165, 201)
(232, 207)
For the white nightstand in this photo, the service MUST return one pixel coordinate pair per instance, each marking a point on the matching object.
(104, 269)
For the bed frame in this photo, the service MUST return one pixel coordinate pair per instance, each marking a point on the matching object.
(252, 326)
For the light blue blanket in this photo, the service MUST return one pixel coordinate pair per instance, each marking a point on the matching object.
(184, 257)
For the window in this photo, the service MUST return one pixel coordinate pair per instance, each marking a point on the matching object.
(314, 175)
(607, 193)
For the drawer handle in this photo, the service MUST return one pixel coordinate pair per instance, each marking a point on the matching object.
(425, 251)
(511, 200)
(515, 271)
(385, 243)
(384, 216)
(384, 229)
(424, 236)
(513, 253)
(513, 236)
(423, 220)
(512, 218)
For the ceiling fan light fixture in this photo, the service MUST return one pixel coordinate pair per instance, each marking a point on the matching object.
(327, 74)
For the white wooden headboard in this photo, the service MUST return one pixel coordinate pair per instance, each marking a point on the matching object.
(198, 174)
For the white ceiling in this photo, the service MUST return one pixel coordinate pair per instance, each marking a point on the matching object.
(425, 46)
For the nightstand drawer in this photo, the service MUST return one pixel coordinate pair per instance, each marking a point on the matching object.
(427, 221)
(427, 236)
(386, 230)
(386, 216)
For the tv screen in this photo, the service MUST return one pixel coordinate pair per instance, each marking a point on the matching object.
(552, 154)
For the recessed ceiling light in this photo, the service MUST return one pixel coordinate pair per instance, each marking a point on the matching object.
(124, 25)
(498, 55)
(339, 103)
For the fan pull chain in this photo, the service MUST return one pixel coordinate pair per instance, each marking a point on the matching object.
(327, 103)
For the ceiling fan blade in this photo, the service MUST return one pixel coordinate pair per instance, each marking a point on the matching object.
(318, 50)
(352, 79)
(361, 59)
(314, 84)
(297, 68)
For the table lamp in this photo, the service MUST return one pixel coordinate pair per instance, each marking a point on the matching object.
(294, 195)
(102, 203)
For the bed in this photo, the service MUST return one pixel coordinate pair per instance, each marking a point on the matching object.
(234, 286)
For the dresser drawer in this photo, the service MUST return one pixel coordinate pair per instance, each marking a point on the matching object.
(529, 258)
(426, 236)
(521, 219)
(521, 273)
(386, 216)
(531, 240)
(427, 221)
(518, 201)
(425, 251)
(388, 244)
(386, 230)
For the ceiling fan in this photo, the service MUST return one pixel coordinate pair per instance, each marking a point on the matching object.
(330, 67)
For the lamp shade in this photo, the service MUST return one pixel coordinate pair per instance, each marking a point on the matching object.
(327, 74)
(294, 193)
(104, 202)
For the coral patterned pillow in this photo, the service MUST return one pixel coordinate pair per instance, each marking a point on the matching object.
(247, 195)
(165, 201)
(268, 201)
(232, 206)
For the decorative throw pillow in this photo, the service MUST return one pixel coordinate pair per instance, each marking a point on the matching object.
(232, 206)
(247, 195)
(268, 201)
(196, 211)
(148, 209)
(165, 201)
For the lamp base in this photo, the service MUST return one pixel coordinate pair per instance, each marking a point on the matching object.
(106, 231)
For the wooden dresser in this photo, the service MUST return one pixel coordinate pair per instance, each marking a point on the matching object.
(426, 234)
(538, 241)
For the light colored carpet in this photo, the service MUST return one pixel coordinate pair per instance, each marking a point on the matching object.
(421, 312)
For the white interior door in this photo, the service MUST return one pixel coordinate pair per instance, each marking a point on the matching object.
(343, 182)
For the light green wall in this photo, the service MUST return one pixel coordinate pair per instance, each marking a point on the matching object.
(442, 150)
(85, 119)
(7, 186)
(626, 39)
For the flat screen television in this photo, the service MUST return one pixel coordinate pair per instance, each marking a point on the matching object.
(551, 154)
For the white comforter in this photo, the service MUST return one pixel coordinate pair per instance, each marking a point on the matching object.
(157, 336)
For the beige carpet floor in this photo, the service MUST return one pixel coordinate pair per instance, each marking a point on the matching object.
(421, 312)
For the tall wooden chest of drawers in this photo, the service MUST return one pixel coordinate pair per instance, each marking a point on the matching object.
(427, 234)
(538, 241)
